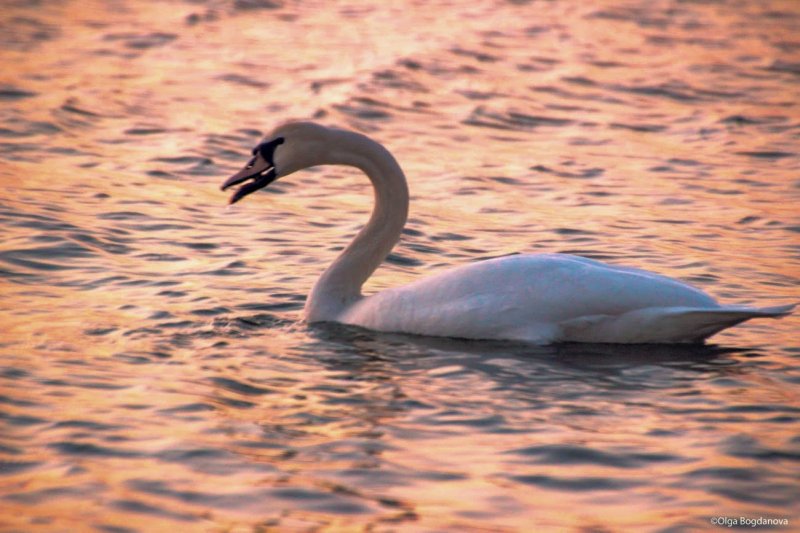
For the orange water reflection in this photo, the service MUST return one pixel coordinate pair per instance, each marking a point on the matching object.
(159, 376)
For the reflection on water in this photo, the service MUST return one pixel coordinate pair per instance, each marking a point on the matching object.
(155, 375)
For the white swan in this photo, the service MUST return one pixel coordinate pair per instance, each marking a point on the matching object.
(533, 298)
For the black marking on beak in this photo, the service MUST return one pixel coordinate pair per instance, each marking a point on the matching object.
(261, 169)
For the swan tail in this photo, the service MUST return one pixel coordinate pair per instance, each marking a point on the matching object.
(664, 324)
(776, 311)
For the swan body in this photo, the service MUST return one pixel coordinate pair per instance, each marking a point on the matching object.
(537, 298)
(546, 298)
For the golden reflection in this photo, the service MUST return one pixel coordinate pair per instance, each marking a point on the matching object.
(156, 375)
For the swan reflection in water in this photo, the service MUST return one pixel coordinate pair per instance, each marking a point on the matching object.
(530, 373)
(534, 298)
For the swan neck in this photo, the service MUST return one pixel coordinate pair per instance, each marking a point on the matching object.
(340, 284)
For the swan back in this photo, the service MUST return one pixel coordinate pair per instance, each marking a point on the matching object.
(523, 297)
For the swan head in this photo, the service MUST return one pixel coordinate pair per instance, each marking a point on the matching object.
(287, 149)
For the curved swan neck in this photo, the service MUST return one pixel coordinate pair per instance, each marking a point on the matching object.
(341, 282)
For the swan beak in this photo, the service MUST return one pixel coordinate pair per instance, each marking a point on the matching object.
(260, 171)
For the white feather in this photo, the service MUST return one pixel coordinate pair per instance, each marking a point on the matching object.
(541, 299)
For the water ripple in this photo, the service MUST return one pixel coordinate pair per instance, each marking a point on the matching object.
(567, 455)
(155, 369)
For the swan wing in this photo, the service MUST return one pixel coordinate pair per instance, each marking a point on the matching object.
(540, 298)
(663, 324)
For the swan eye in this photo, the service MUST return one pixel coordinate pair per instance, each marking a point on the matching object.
(267, 149)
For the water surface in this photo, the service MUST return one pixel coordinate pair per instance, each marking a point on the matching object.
(155, 373)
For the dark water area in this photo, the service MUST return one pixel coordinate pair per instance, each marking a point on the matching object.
(155, 370)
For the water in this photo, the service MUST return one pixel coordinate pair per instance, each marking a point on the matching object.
(155, 374)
